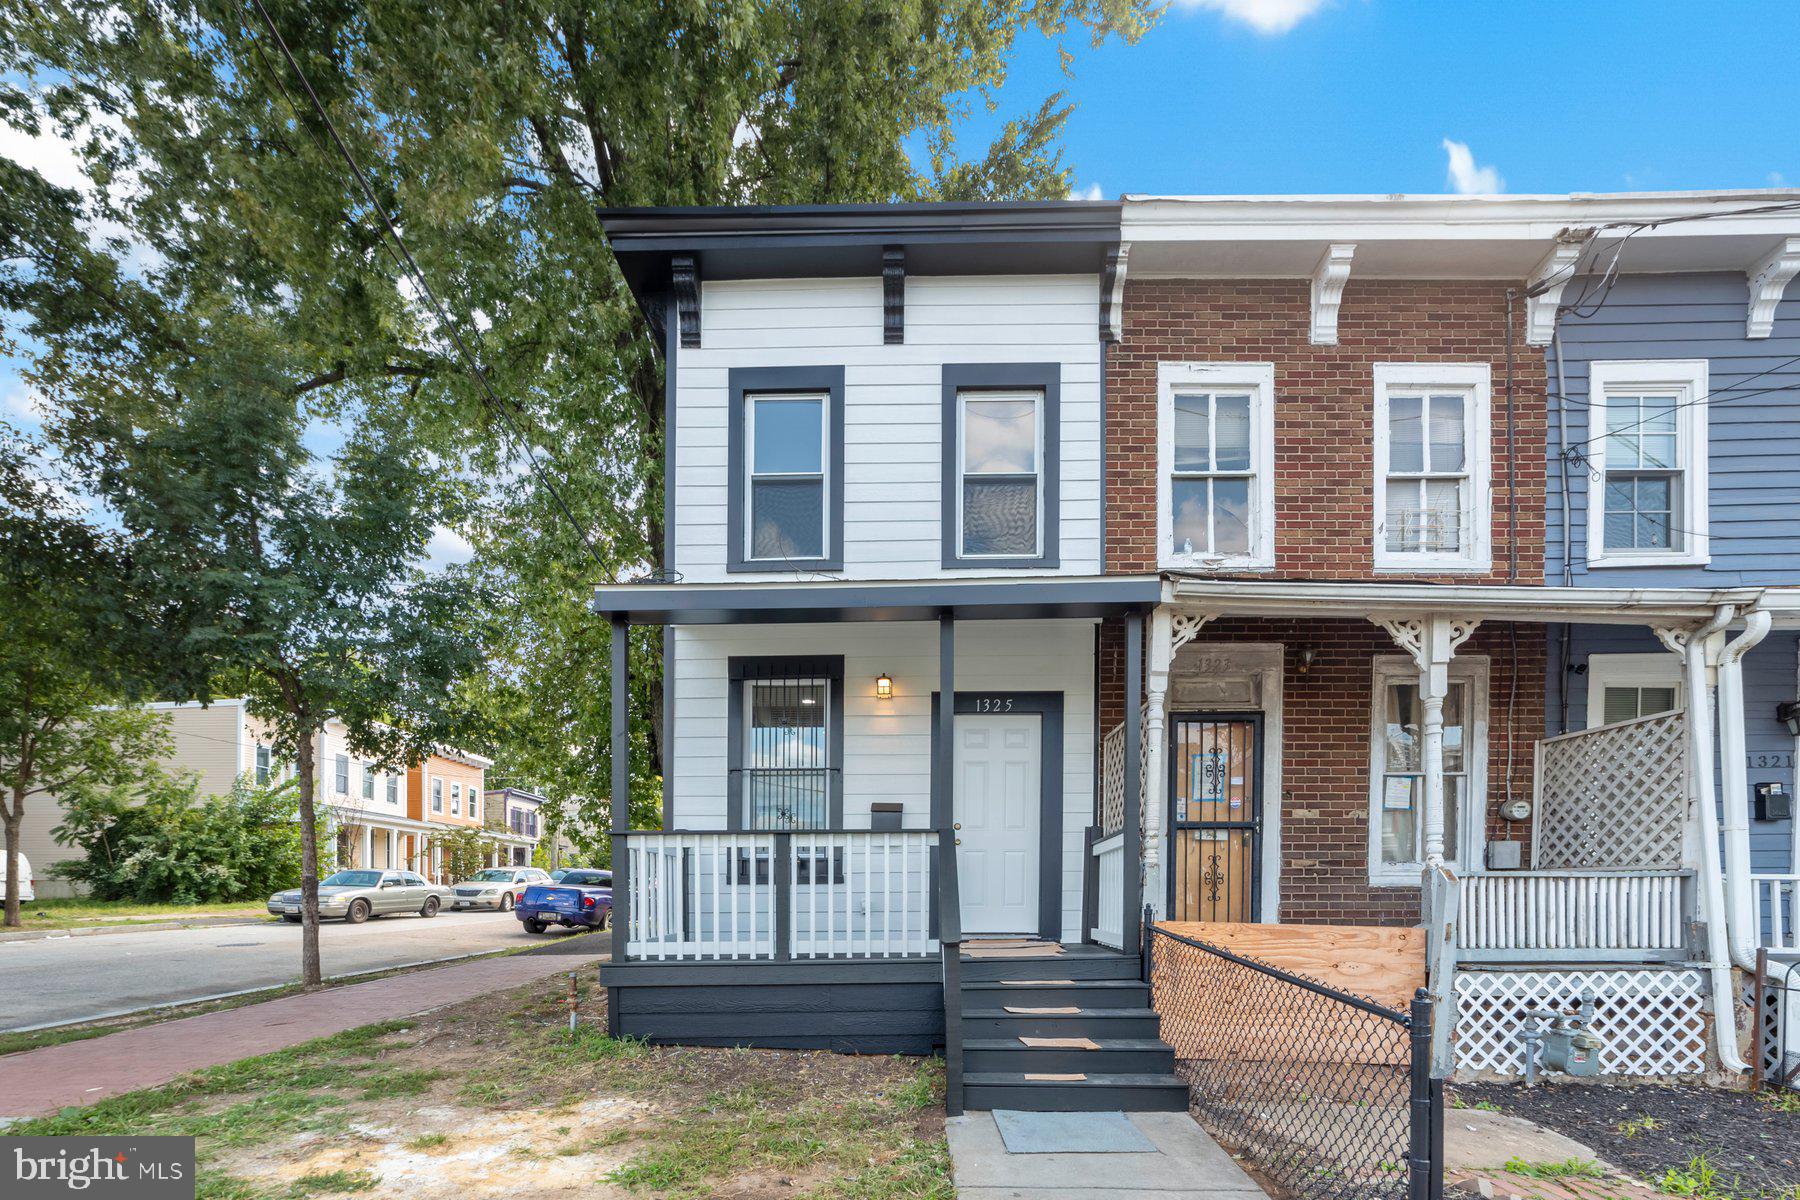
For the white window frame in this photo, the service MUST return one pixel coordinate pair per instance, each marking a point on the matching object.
(1471, 821)
(1476, 381)
(1630, 670)
(264, 769)
(1259, 380)
(1689, 378)
(751, 475)
(1036, 396)
(437, 794)
(340, 775)
(456, 799)
(368, 781)
(393, 790)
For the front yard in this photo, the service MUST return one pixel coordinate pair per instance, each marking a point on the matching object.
(497, 1099)
(84, 914)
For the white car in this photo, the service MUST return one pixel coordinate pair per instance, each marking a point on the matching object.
(26, 893)
(496, 887)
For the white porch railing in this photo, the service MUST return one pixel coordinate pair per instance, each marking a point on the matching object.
(722, 895)
(1109, 891)
(1545, 916)
(1778, 910)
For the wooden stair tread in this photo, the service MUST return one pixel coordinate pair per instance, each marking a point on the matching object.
(1060, 1043)
(1042, 1012)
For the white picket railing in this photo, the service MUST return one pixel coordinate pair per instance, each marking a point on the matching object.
(722, 895)
(1778, 910)
(1109, 891)
(1537, 916)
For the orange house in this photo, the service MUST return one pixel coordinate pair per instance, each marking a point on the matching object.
(446, 789)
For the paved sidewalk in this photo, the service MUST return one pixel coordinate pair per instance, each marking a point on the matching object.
(39, 1082)
(1184, 1164)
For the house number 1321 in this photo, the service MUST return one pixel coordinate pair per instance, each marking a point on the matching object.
(994, 704)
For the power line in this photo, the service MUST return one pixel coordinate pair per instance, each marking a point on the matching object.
(411, 266)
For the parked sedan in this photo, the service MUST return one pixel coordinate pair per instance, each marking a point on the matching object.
(355, 896)
(496, 887)
(583, 899)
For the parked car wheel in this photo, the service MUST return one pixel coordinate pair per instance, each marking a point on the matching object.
(534, 927)
(431, 907)
(357, 913)
(291, 920)
(506, 902)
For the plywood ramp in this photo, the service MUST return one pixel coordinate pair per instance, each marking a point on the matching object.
(1387, 965)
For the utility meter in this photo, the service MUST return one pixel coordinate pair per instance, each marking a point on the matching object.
(1516, 810)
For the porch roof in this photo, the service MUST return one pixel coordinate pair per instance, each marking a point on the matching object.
(1037, 596)
(1582, 605)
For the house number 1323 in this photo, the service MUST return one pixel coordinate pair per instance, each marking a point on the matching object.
(994, 704)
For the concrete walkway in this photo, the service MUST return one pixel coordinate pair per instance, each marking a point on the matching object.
(39, 1082)
(1182, 1163)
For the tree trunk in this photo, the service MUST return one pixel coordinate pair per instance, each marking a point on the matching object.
(15, 821)
(309, 867)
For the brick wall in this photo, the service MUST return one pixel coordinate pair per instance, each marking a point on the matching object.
(1325, 751)
(1324, 408)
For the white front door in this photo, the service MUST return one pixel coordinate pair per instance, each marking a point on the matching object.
(997, 818)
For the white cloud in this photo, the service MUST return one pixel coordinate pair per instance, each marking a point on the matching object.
(1465, 177)
(1092, 191)
(447, 547)
(1269, 17)
(1777, 179)
(20, 402)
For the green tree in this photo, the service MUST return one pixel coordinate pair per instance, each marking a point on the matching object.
(464, 851)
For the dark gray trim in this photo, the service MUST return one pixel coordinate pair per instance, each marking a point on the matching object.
(1048, 707)
(1012, 599)
(684, 279)
(1134, 740)
(667, 745)
(885, 1016)
(620, 798)
(740, 668)
(967, 377)
(671, 356)
(743, 381)
(893, 295)
(764, 971)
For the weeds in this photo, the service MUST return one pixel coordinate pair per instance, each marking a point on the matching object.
(1637, 1125)
(1568, 1168)
(1780, 1100)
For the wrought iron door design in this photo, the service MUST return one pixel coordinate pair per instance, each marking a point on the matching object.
(1215, 825)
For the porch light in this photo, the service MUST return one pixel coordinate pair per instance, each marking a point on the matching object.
(1307, 654)
(1789, 714)
(884, 686)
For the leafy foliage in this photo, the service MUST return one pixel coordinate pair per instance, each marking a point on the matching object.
(464, 851)
(167, 844)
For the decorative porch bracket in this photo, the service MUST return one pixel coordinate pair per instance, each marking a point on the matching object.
(1432, 642)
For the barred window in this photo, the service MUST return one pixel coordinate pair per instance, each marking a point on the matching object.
(786, 766)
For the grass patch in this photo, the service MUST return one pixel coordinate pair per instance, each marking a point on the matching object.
(1568, 1168)
(82, 913)
(1779, 1100)
(1638, 1125)
(334, 1181)
(429, 1141)
(1478, 1106)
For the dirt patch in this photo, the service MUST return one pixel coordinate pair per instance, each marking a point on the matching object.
(1750, 1143)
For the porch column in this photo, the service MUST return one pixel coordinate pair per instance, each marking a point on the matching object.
(1156, 693)
(1432, 642)
(393, 849)
(621, 790)
(943, 816)
(1134, 740)
(368, 857)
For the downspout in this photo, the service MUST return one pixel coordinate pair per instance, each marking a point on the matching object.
(1700, 795)
(1568, 535)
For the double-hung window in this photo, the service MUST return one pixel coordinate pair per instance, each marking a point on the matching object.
(264, 765)
(1397, 766)
(786, 449)
(1215, 450)
(1432, 489)
(393, 789)
(456, 799)
(342, 774)
(368, 781)
(1625, 687)
(1001, 469)
(437, 795)
(1647, 463)
(787, 739)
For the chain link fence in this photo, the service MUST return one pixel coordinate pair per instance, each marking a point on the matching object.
(1329, 1095)
(1775, 997)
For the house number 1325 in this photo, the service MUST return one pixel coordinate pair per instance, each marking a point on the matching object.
(994, 704)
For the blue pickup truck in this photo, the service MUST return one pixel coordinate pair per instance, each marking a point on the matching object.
(582, 899)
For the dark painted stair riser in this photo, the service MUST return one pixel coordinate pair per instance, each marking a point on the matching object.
(1091, 993)
(1099, 1024)
(1124, 1056)
(1096, 1093)
(987, 970)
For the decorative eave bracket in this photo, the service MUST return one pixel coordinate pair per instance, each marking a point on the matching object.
(1112, 292)
(893, 295)
(1328, 281)
(684, 276)
(1768, 279)
(1544, 289)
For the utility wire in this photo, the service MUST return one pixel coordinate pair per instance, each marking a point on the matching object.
(411, 266)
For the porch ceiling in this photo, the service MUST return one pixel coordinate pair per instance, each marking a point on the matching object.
(923, 600)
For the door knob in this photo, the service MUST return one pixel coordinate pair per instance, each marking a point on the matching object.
(958, 825)
(959, 841)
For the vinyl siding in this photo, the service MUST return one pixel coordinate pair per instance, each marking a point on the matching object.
(887, 743)
(1754, 440)
(892, 405)
(1770, 673)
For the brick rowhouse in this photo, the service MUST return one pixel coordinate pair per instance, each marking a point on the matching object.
(1324, 530)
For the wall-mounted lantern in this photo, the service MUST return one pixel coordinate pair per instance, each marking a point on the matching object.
(884, 686)
(1789, 714)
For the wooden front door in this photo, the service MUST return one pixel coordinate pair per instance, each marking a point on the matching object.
(1215, 822)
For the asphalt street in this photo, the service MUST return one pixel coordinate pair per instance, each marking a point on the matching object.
(54, 980)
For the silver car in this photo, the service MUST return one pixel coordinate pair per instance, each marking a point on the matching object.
(357, 895)
(496, 887)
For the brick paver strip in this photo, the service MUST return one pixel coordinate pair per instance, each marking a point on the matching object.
(39, 1082)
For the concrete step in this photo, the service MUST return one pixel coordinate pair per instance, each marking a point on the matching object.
(1052, 989)
(1113, 1056)
(1101, 1024)
(1087, 1093)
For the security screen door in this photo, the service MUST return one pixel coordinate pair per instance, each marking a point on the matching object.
(1215, 827)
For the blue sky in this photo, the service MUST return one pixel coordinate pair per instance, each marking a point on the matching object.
(1251, 96)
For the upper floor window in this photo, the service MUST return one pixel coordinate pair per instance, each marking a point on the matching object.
(785, 500)
(265, 765)
(1432, 486)
(787, 728)
(437, 795)
(1001, 465)
(1397, 766)
(1647, 463)
(341, 776)
(368, 781)
(1215, 450)
(1625, 687)
(393, 789)
(456, 799)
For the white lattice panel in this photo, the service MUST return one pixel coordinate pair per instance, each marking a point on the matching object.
(1613, 797)
(1112, 781)
(1653, 1022)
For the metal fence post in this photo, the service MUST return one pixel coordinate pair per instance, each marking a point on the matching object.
(781, 875)
(1422, 1160)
